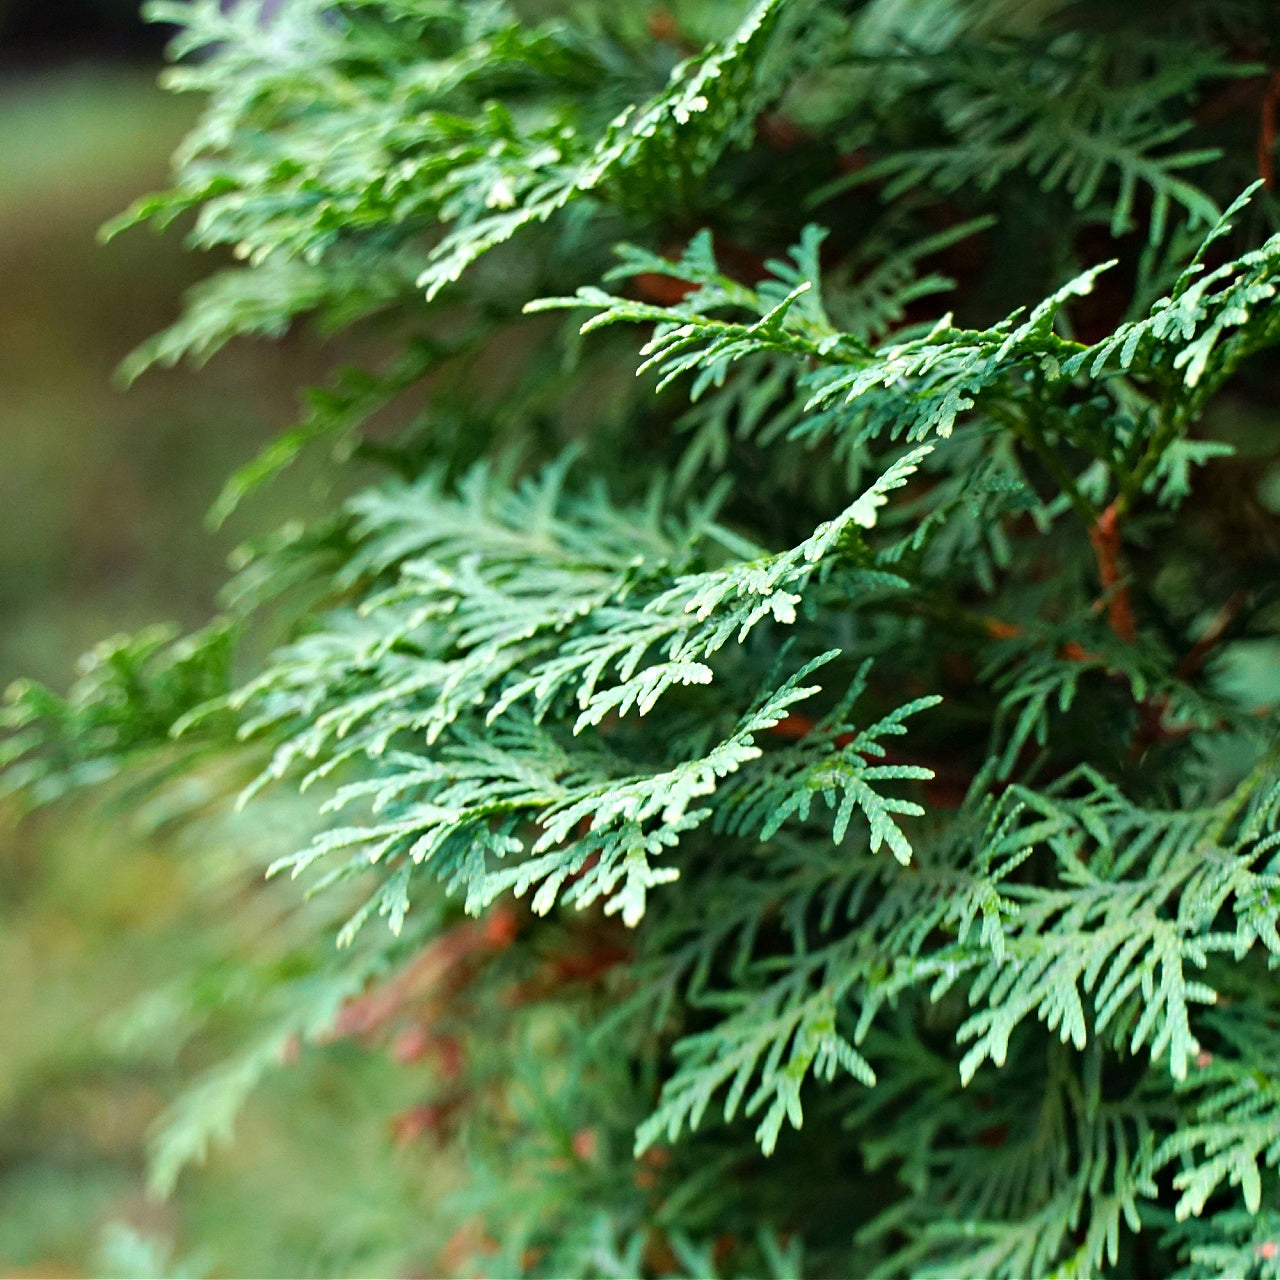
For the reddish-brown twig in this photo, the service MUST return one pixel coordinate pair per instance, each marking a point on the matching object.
(1151, 712)
(1104, 537)
(441, 968)
(1195, 657)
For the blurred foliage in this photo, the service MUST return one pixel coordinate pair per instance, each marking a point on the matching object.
(102, 547)
(99, 909)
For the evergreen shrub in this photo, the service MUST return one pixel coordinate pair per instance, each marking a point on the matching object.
(814, 808)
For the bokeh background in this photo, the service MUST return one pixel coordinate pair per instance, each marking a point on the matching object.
(102, 494)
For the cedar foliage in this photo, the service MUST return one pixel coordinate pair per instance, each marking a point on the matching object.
(849, 733)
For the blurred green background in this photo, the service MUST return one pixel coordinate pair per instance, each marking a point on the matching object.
(102, 494)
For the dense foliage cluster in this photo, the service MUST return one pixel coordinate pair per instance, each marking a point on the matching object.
(813, 808)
